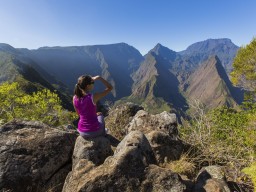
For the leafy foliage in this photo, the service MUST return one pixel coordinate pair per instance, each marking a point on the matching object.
(244, 65)
(251, 170)
(225, 133)
(223, 136)
(42, 105)
(234, 129)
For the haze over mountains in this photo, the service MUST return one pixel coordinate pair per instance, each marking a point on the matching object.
(161, 80)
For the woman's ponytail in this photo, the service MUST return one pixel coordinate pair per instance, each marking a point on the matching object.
(77, 91)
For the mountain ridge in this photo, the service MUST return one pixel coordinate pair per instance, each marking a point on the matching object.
(224, 48)
(103, 60)
(210, 85)
(155, 79)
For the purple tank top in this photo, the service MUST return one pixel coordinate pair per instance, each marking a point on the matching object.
(87, 111)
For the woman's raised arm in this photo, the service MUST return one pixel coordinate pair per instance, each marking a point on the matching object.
(98, 96)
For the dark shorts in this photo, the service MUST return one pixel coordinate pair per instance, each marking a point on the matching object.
(100, 132)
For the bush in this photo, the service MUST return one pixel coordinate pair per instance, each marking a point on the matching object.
(234, 129)
(251, 171)
(42, 105)
(223, 136)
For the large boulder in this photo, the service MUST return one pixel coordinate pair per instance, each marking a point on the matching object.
(162, 133)
(211, 179)
(147, 122)
(95, 150)
(34, 156)
(119, 117)
(159, 179)
(165, 148)
(131, 168)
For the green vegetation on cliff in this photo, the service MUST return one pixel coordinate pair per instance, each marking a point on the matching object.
(42, 105)
(244, 73)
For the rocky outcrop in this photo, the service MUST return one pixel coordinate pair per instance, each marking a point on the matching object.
(165, 148)
(95, 150)
(147, 122)
(211, 179)
(131, 168)
(162, 133)
(119, 117)
(34, 156)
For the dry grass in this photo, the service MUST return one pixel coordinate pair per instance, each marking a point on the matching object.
(184, 166)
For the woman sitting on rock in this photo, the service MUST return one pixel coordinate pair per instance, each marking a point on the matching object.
(91, 124)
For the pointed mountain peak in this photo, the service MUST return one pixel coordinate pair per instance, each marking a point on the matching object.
(160, 49)
(163, 52)
(215, 63)
(158, 46)
(213, 59)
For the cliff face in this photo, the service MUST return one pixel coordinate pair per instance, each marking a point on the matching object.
(155, 85)
(210, 85)
(115, 62)
(207, 85)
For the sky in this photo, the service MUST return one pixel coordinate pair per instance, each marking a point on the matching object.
(142, 24)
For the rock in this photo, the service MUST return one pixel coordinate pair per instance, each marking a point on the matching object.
(146, 122)
(56, 182)
(119, 117)
(162, 133)
(34, 156)
(165, 148)
(211, 179)
(160, 179)
(123, 109)
(137, 142)
(95, 150)
(129, 169)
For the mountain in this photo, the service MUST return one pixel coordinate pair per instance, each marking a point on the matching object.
(166, 76)
(14, 67)
(155, 84)
(211, 86)
(224, 48)
(159, 81)
(115, 62)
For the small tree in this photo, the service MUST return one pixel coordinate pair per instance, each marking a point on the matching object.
(244, 67)
(43, 105)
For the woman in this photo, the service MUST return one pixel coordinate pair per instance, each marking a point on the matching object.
(90, 123)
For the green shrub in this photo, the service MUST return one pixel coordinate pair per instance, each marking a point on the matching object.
(251, 171)
(42, 105)
(232, 127)
(222, 135)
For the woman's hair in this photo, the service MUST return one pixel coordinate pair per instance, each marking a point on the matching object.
(82, 82)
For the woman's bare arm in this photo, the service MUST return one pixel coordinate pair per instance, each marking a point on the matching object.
(98, 96)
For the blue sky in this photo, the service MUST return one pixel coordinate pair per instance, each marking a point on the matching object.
(142, 24)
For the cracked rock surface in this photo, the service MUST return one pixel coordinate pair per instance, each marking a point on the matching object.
(34, 156)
